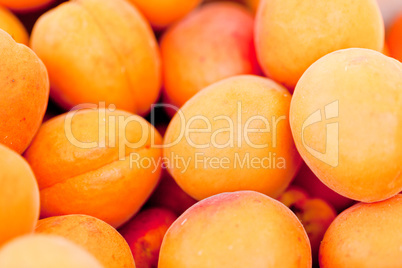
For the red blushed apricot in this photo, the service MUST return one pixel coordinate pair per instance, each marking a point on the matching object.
(346, 119)
(162, 13)
(24, 93)
(291, 35)
(239, 229)
(99, 50)
(45, 251)
(102, 163)
(11, 24)
(144, 234)
(212, 43)
(19, 196)
(96, 236)
(365, 236)
(25, 5)
(394, 39)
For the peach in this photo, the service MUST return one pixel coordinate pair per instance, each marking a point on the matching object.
(240, 229)
(169, 195)
(314, 213)
(144, 234)
(12, 25)
(162, 13)
(365, 236)
(25, 5)
(291, 35)
(99, 51)
(233, 135)
(212, 43)
(24, 93)
(307, 180)
(19, 196)
(102, 163)
(45, 251)
(96, 236)
(394, 39)
(345, 117)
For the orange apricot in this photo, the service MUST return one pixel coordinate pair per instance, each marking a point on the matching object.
(162, 13)
(96, 236)
(45, 251)
(365, 236)
(345, 117)
(19, 196)
(99, 50)
(12, 25)
(394, 39)
(96, 162)
(144, 234)
(233, 135)
(24, 93)
(240, 229)
(212, 43)
(25, 5)
(291, 35)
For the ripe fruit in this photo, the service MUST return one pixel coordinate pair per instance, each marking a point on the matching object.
(162, 13)
(99, 50)
(11, 24)
(96, 236)
(19, 196)
(306, 179)
(395, 39)
(240, 229)
(345, 118)
(25, 5)
(315, 214)
(96, 162)
(45, 251)
(24, 93)
(144, 234)
(212, 43)
(291, 35)
(233, 135)
(365, 235)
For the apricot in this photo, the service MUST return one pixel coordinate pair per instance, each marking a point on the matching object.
(364, 236)
(240, 229)
(394, 39)
(99, 51)
(144, 234)
(96, 236)
(233, 135)
(19, 196)
(314, 213)
(212, 43)
(24, 93)
(291, 35)
(162, 13)
(12, 25)
(25, 5)
(309, 182)
(97, 162)
(45, 251)
(345, 118)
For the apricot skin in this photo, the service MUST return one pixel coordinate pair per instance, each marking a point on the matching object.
(122, 66)
(363, 156)
(240, 229)
(93, 181)
(24, 93)
(96, 236)
(11, 24)
(394, 39)
(19, 196)
(365, 236)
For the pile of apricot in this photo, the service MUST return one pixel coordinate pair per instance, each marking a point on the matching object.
(200, 133)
